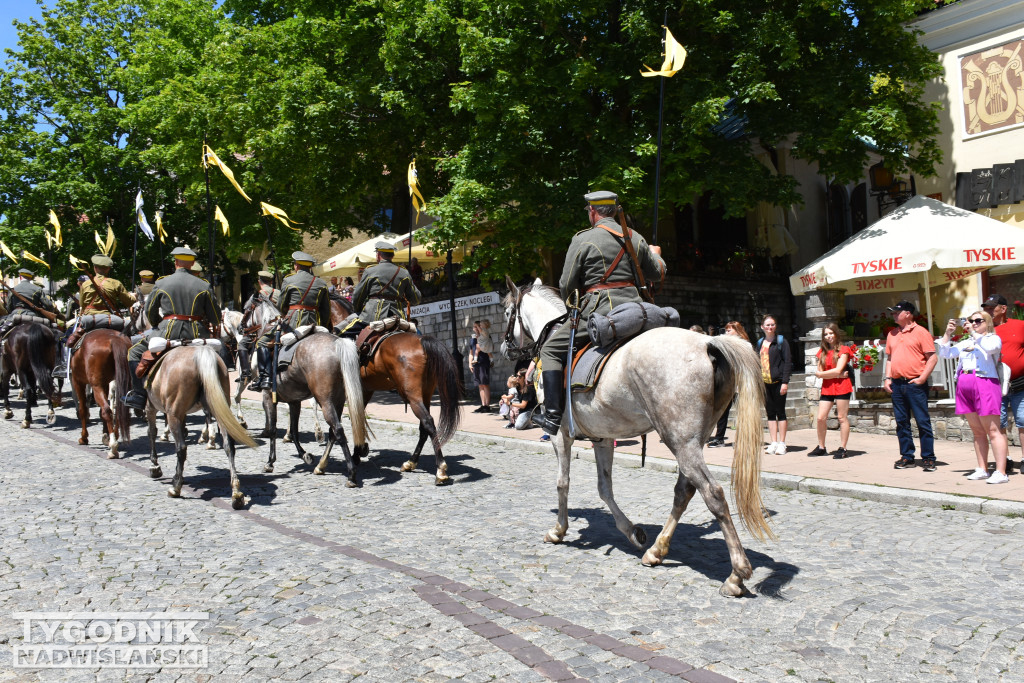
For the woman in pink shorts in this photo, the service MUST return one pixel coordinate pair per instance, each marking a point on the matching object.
(978, 393)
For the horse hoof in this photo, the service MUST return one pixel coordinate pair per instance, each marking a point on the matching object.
(408, 466)
(551, 537)
(8, 414)
(306, 457)
(25, 424)
(638, 538)
(265, 434)
(732, 588)
(268, 468)
(237, 501)
(173, 494)
(243, 423)
(155, 473)
(442, 481)
(83, 441)
(286, 438)
(112, 455)
(651, 559)
(51, 418)
(351, 484)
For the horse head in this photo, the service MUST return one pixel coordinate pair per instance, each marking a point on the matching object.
(531, 312)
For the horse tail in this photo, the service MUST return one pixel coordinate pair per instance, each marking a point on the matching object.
(37, 338)
(442, 366)
(209, 373)
(746, 467)
(123, 383)
(348, 357)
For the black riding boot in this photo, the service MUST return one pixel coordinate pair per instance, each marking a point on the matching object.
(554, 402)
(264, 358)
(138, 396)
(244, 366)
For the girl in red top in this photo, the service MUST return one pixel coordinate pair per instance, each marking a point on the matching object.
(836, 387)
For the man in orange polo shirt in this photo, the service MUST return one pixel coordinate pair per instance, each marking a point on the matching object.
(1011, 333)
(909, 360)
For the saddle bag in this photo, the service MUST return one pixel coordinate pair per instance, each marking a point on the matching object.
(23, 316)
(300, 333)
(101, 321)
(627, 320)
(159, 344)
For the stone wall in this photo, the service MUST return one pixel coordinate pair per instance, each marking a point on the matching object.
(717, 299)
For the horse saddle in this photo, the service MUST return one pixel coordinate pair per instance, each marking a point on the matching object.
(290, 342)
(588, 363)
(371, 336)
(87, 323)
(158, 348)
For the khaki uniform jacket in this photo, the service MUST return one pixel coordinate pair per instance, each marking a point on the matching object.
(590, 254)
(383, 292)
(268, 292)
(146, 288)
(92, 301)
(302, 288)
(182, 294)
(34, 293)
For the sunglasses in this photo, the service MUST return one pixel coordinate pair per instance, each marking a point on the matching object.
(976, 321)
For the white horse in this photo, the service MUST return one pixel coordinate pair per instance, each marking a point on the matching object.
(677, 383)
(231, 322)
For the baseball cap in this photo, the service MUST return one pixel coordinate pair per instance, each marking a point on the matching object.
(903, 306)
(994, 300)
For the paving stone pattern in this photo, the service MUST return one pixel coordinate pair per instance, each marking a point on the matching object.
(400, 580)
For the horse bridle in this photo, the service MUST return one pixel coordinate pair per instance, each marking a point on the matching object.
(513, 350)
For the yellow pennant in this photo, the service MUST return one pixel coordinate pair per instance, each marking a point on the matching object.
(279, 214)
(219, 215)
(414, 189)
(111, 241)
(7, 252)
(675, 55)
(58, 239)
(32, 257)
(49, 239)
(77, 262)
(99, 242)
(210, 158)
(161, 233)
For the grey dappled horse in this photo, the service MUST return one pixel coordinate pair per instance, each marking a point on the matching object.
(677, 383)
(191, 378)
(325, 368)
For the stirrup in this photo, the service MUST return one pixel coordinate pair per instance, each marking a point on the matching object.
(60, 372)
(134, 399)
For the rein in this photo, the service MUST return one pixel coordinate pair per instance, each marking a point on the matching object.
(513, 350)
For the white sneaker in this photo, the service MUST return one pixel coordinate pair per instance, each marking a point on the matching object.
(770, 450)
(978, 474)
(997, 478)
(780, 448)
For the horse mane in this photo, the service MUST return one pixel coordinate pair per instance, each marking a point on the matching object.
(545, 292)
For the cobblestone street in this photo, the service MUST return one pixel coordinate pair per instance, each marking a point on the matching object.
(401, 580)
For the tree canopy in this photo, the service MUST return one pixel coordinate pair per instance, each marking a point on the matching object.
(512, 110)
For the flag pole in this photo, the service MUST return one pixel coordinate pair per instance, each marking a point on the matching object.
(271, 256)
(135, 245)
(657, 162)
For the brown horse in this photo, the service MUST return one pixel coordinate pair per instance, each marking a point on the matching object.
(30, 352)
(413, 366)
(101, 363)
(188, 379)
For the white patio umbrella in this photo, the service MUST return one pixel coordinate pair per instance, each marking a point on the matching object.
(923, 242)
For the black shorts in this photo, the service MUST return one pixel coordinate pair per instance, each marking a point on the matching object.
(837, 397)
(482, 369)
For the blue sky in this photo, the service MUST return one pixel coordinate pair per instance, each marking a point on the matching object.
(9, 11)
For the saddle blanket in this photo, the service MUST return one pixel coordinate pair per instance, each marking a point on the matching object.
(588, 364)
(290, 342)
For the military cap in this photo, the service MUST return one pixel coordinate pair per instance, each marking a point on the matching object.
(102, 260)
(144, 274)
(197, 267)
(384, 247)
(82, 278)
(265, 275)
(183, 254)
(601, 198)
(302, 258)
(26, 272)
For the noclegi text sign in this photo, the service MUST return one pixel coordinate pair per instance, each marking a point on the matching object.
(474, 301)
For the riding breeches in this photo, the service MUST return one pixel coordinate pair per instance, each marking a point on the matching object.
(555, 349)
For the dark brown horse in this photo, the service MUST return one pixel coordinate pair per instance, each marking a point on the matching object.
(101, 363)
(414, 366)
(30, 351)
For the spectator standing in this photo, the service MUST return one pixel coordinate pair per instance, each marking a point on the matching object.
(480, 362)
(416, 271)
(735, 328)
(836, 387)
(776, 367)
(909, 361)
(1011, 332)
(978, 391)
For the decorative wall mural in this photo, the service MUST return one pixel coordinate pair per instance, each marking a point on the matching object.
(993, 87)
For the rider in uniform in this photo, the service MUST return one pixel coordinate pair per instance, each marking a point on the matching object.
(32, 292)
(383, 292)
(602, 286)
(304, 300)
(181, 306)
(148, 278)
(265, 291)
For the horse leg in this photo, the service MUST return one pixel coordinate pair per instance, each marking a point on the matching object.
(684, 491)
(318, 431)
(5, 389)
(293, 426)
(270, 411)
(166, 436)
(603, 456)
(237, 400)
(210, 432)
(177, 427)
(563, 452)
(427, 430)
(154, 467)
(288, 436)
(83, 410)
(237, 497)
(107, 417)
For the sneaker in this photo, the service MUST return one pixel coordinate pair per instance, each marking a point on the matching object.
(770, 450)
(997, 478)
(904, 464)
(545, 437)
(818, 450)
(480, 409)
(780, 448)
(928, 465)
(839, 454)
(509, 426)
(485, 409)
(978, 474)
